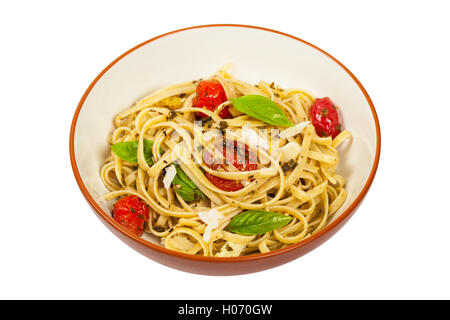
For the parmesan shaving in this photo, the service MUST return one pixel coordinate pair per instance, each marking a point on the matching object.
(290, 151)
(171, 172)
(293, 131)
(212, 219)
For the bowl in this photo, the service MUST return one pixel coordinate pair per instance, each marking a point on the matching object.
(197, 52)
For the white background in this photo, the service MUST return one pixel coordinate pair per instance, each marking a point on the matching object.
(53, 246)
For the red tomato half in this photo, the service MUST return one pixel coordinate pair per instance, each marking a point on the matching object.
(210, 94)
(325, 118)
(239, 155)
(235, 153)
(224, 184)
(131, 212)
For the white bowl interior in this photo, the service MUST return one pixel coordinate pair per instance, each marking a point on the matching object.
(197, 53)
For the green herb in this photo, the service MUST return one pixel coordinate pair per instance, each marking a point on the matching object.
(223, 125)
(206, 121)
(186, 188)
(172, 114)
(324, 112)
(323, 133)
(128, 150)
(290, 165)
(262, 109)
(158, 228)
(257, 222)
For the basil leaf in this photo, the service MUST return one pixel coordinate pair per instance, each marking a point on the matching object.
(263, 109)
(185, 187)
(127, 150)
(257, 221)
(184, 178)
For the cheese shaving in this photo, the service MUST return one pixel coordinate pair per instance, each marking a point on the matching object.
(171, 172)
(293, 131)
(212, 219)
(290, 151)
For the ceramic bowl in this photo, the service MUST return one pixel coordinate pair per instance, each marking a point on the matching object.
(197, 52)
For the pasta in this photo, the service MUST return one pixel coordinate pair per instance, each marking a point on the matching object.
(292, 172)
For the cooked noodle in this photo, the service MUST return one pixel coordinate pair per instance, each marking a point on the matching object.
(310, 191)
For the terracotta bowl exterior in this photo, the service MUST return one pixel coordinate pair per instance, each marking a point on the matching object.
(258, 53)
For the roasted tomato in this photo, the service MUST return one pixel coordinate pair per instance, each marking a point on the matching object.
(131, 212)
(239, 155)
(210, 94)
(224, 184)
(325, 118)
(235, 153)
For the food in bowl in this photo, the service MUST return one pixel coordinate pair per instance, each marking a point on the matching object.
(220, 167)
